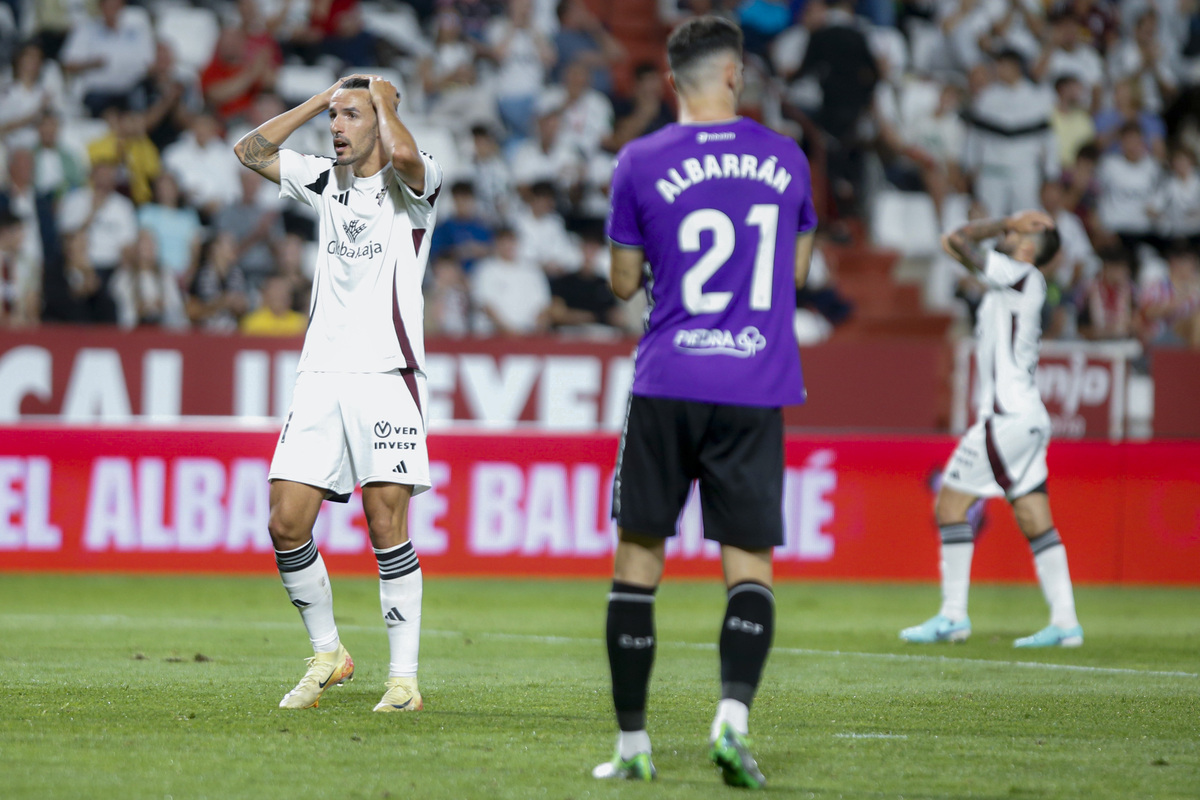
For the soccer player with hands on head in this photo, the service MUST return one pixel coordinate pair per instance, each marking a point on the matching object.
(1004, 451)
(358, 409)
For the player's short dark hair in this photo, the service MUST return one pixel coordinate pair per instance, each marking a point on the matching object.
(699, 38)
(356, 83)
(1047, 242)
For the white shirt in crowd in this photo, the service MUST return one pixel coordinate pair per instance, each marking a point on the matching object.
(127, 52)
(1076, 249)
(1021, 106)
(544, 241)
(366, 312)
(206, 174)
(520, 72)
(1126, 60)
(516, 291)
(1127, 190)
(112, 229)
(561, 166)
(1178, 206)
(18, 102)
(1082, 63)
(584, 123)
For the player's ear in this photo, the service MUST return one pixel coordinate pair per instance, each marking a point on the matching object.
(671, 81)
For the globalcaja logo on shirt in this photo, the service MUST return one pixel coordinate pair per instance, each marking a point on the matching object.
(716, 342)
(353, 228)
(368, 250)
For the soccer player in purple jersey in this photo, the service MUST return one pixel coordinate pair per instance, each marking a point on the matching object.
(713, 217)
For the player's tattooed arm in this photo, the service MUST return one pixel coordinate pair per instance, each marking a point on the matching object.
(260, 154)
(963, 243)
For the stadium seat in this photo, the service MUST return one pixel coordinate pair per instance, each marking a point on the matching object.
(905, 221)
(295, 83)
(191, 34)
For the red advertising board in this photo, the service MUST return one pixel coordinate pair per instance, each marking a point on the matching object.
(525, 503)
(95, 373)
(1083, 385)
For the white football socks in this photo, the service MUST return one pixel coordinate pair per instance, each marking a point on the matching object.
(630, 743)
(956, 578)
(400, 589)
(307, 583)
(1050, 561)
(734, 712)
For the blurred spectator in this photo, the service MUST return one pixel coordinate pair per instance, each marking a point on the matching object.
(35, 210)
(583, 299)
(20, 275)
(56, 168)
(645, 112)
(1127, 107)
(89, 300)
(293, 260)
(1064, 55)
(217, 297)
(511, 294)
(238, 71)
(109, 55)
(475, 15)
(927, 148)
(548, 156)
(453, 55)
(109, 224)
(175, 227)
(1170, 306)
(53, 20)
(819, 305)
(127, 144)
(275, 315)
(465, 236)
(1072, 124)
(1176, 204)
(448, 299)
(839, 58)
(342, 32)
(144, 292)
(522, 55)
(492, 179)
(1143, 58)
(1077, 263)
(454, 95)
(1097, 21)
(582, 38)
(1128, 181)
(205, 165)
(1010, 146)
(761, 21)
(168, 98)
(254, 228)
(586, 115)
(1082, 189)
(542, 234)
(1107, 312)
(35, 86)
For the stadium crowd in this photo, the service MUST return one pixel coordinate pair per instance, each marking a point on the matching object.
(122, 202)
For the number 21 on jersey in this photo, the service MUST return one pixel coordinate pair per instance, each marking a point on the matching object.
(724, 236)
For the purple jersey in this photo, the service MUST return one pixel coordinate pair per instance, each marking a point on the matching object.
(716, 207)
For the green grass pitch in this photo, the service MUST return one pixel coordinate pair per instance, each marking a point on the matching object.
(154, 687)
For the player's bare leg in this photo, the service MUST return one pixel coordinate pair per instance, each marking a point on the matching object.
(637, 570)
(1032, 512)
(951, 623)
(294, 508)
(746, 634)
(400, 587)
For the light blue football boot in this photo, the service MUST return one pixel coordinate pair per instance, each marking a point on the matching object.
(938, 629)
(1053, 636)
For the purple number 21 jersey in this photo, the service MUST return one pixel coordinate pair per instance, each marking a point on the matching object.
(716, 208)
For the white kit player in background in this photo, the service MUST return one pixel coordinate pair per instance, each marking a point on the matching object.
(1004, 452)
(358, 410)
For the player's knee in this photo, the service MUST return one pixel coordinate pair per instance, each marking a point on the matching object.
(287, 530)
(949, 510)
(386, 529)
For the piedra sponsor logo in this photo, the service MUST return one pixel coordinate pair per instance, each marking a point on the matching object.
(709, 342)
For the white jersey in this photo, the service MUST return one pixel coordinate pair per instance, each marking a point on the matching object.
(1008, 334)
(366, 312)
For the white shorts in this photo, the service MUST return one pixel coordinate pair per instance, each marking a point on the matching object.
(1002, 455)
(351, 428)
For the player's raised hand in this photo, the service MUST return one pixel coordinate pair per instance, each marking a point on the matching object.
(383, 90)
(1030, 222)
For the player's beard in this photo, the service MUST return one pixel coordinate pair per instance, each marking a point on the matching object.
(352, 155)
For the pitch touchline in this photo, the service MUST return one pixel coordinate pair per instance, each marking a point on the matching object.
(121, 619)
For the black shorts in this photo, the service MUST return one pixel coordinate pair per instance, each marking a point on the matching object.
(735, 452)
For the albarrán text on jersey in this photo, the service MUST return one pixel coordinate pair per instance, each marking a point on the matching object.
(716, 208)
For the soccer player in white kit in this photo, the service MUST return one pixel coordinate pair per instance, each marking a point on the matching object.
(1004, 452)
(358, 411)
